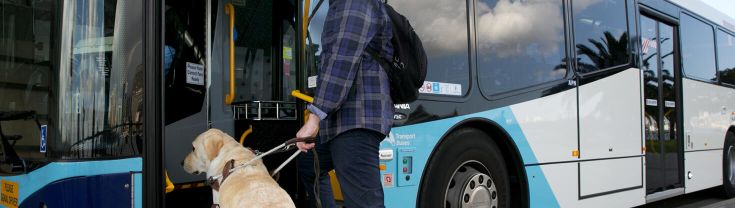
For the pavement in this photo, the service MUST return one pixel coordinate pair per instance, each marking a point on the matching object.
(709, 198)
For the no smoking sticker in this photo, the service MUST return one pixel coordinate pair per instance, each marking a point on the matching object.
(388, 180)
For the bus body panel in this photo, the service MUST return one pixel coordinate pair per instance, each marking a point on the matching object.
(550, 126)
(38, 179)
(423, 139)
(610, 116)
(610, 175)
(541, 128)
(705, 168)
(108, 190)
(564, 181)
(707, 111)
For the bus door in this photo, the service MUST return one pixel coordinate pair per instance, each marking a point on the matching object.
(257, 82)
(230, 65)
(660, 97)
(184, 70)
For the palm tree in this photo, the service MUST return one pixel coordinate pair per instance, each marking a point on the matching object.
(609, 52)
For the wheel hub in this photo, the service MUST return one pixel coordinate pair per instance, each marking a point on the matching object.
(471, 188)
(480, 191)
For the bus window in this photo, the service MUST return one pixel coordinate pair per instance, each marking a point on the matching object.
(27, 31)
(444, 35)
(101, 81)
(725, 52)
(697, 49)
(519, 44)
(600, 34)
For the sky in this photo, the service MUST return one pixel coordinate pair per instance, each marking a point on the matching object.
(726, 6)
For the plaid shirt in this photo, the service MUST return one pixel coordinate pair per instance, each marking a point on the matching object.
(353, 90)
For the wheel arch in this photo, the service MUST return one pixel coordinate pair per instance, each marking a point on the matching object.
(509, 150)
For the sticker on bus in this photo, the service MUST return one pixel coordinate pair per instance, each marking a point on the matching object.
(9, 194)
(388, 180)
(312, 82)
(43, 138)
(194, 73)
(440, 88)
(670, 104)
(651, 102)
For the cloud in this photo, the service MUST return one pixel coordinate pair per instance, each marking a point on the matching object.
(510, 28)
(506, 28)
(441, 24)
(580, 5)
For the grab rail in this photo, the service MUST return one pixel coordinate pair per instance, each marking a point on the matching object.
(305, 23)
(302, 96)
(230, 10)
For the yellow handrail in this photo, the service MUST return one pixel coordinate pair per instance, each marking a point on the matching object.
(230, 10)
(305, 22)
(245, 134)
(302, 96)
(169, 185)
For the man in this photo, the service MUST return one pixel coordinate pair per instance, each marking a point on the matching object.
(352, 108)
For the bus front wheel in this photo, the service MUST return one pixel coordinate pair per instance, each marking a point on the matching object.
(467, 170)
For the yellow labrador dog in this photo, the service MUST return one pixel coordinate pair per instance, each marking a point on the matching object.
(248, 186)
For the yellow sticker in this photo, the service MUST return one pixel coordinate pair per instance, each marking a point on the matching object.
(9, 194)
(288, 53)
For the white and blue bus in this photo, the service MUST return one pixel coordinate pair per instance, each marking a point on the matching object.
(527, 103)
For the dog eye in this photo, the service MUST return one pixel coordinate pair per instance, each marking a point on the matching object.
(192, 149)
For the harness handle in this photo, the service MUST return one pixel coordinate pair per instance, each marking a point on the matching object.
(294, 140)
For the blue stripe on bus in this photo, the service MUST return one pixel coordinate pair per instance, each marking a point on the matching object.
(138, 190)
(37, 179)
(427, 136)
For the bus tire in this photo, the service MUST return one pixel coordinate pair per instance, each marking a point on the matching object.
(468, 170)
(728, 166)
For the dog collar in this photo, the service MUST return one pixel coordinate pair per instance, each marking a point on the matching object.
(215, 183)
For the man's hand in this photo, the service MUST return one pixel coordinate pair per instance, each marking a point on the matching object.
(309, 130)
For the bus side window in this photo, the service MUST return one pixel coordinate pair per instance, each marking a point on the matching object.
(697, 49)
(600, 34)
(445, 37)
(511, 58)
(725, 52)
(26, 64)
(101, 80)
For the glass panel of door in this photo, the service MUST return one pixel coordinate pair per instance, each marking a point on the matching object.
(660, 99)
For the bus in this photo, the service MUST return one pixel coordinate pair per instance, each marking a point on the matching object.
(526, 103)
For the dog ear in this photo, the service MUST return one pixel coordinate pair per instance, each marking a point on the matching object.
(212, 147)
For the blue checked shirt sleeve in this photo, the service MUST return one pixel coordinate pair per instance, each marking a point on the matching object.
(348, 29)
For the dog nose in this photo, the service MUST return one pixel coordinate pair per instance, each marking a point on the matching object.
(182, 163)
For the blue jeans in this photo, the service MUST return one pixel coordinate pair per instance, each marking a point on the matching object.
(354, 156)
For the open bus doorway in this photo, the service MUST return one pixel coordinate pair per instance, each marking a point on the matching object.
(247, 96)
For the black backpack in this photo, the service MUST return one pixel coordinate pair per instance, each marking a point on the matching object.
(407, 70)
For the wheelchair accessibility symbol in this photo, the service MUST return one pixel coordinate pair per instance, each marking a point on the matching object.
(43, 138)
